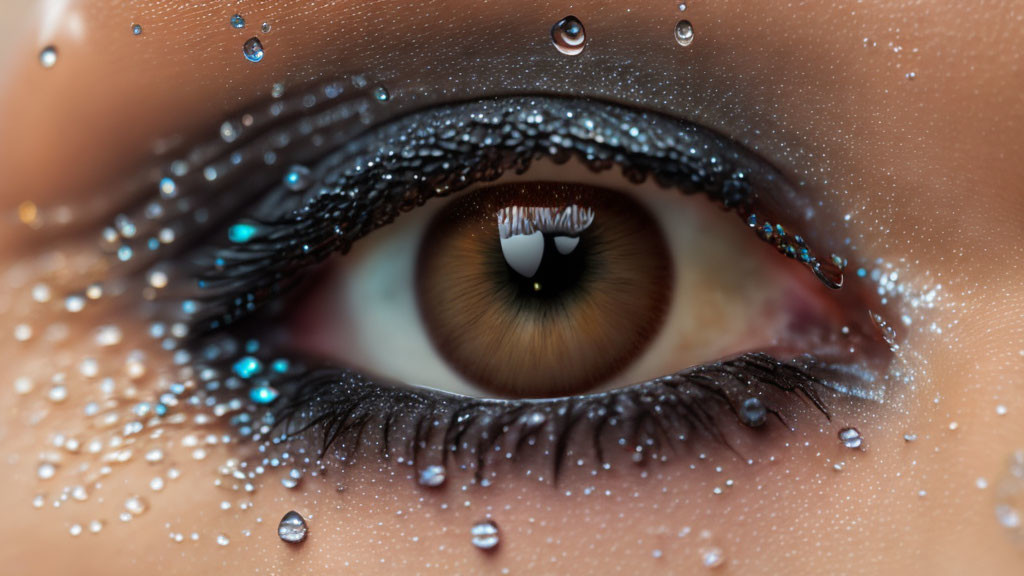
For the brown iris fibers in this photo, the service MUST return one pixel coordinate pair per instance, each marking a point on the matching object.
(577, 321)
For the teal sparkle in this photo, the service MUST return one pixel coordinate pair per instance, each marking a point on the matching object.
(247, 367)
(263, 395)
(242, 233)
(280, 365)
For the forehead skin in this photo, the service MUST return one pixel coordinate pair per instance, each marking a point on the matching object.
(928, 168)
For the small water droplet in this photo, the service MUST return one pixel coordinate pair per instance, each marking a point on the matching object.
(223, 540)
(752, 412)
(684, 33)
(432, 476)
(851, 438)
(292, 528)
(265, 27)
(48, 57)
(136, 29)
(712, 557)
(253, 49)
(237, 21)
(230, 130)
(136, 505)
(381, 94)
(911, 75)
(485, 535)
(682, 7)
(1008, 516)
(568, 36)
(297, 178)
(46, 470)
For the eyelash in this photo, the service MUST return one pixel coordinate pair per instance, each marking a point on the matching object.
(468, 143)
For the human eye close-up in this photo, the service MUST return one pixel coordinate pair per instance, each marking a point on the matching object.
(468, 287)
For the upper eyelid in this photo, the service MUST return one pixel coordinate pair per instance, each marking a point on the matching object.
(688, 156)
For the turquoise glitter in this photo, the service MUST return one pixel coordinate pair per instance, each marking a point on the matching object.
(242, 233)
(280, 365)
(247, 367)
(263, 395)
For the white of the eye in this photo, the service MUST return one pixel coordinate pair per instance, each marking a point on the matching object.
(523, 252)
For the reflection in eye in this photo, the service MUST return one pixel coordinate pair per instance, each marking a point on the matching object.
(568, 313)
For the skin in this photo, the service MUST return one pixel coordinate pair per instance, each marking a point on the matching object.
(927, 168)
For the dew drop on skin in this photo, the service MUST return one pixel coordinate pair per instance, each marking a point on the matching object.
(568, 36)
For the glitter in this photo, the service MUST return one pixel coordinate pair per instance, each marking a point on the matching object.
(981, 483)
(1001, 410)
(381, 94)
(158, 279)
(155, 455)
(76, 529)
(247, 367)
(242, 233)
(263, 394)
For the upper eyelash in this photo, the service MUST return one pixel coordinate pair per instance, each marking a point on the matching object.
(371, 179)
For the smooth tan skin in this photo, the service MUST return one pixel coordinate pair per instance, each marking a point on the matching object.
(928, 168)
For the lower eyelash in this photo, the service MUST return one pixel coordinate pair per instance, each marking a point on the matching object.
(342, 412)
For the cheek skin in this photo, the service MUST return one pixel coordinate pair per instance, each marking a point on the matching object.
(918, 158)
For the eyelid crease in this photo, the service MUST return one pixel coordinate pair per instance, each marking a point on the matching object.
(372, 178)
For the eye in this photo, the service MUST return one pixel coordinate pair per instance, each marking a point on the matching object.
(547, 288)
(466, 282)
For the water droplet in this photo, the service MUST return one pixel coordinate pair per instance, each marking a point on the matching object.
(1008, 516)
(237, 21)
(910, 437)
(485, 535)
(265, 27)
(911, 75)
(230, 130)
(292, 479)
(48, 57)
(682, 7)
(850, 437)
(381, 94)
(223, 540)
(168, 188)
(752, 412)
(297, 178)
(684, 33)
(568, 36)
(76, 529)
(253, 49)
(136, 29)
(277, 90)
(136, 505)
(712, 557)
(46, 470)
(432, 476)
(292, 528)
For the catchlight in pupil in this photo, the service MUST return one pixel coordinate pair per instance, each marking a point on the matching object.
(543, 289)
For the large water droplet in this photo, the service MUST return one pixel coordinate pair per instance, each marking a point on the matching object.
(48, 57)
(292, 528)
(253, 49)
(432, 476)
(851, 438)
(485, 535)
(684, 33)
(568, 36)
